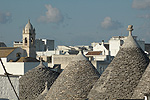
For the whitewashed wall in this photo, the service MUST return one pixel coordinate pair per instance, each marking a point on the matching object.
(62, 59)
(6, 91)
(12, 67)
(18, 68)
(114, 47)
(102, 48)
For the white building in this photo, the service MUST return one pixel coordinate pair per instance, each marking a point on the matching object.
(100, 56)
(47, 56)
(74, 49)
(61, 54)
(15, 61)
(62, 60)
(104, 47)
(116, 42)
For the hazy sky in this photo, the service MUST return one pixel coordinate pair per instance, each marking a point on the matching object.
(74, 22)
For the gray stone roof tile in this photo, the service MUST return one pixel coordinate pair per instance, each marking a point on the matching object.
(123, 74)
(32, 84)
(75, 82)
(44, 93)
(143, 86)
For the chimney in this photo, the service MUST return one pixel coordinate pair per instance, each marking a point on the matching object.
(102, 42)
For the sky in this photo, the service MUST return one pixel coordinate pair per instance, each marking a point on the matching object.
(74, 22)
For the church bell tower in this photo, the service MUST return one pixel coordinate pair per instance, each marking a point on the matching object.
(29, 40)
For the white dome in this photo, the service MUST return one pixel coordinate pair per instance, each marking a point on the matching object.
(28, 27)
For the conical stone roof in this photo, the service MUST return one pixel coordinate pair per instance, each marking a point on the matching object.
(123, 74)
(75, 82)
(32, 84)
(143, 86)
(44, 93)
(41, 96)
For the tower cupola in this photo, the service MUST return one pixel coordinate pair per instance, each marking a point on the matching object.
(29, 28)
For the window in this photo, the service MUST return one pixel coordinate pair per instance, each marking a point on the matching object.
(18, 55)
(49, 59)
(25, 40)
(32, 40)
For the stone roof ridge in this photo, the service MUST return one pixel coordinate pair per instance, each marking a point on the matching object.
(46, 88)
(80, 56)
(44, 93)
(144, 86)
(41, 65)
(130, 41)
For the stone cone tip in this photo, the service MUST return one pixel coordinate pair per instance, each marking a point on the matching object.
(80, 56)
(130, 41)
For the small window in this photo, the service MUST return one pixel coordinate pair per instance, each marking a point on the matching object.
(18, 55)
(49, 59)
(32, 40)
(25, 41)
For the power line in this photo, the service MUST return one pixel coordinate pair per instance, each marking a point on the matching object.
(9, 79)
